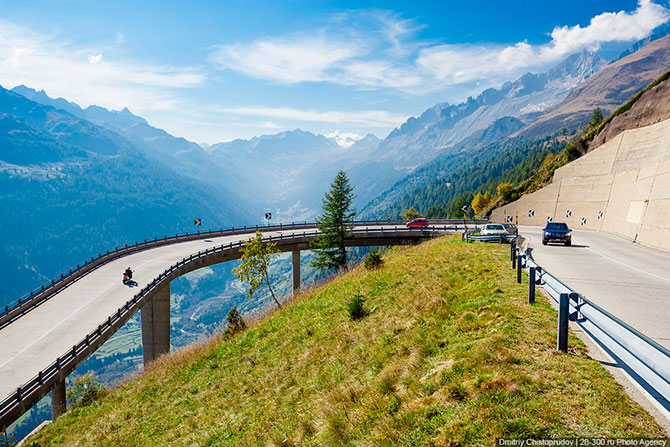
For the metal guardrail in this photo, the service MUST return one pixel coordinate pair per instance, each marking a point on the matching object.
(643, 356)
(499, 238)
(37, 296)
(31, 390)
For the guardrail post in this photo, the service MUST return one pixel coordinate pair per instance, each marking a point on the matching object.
(518, 269)
(563, 315)
(512, 250)
(513, 260)
(531, 285)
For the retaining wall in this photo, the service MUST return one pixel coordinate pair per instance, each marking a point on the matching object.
(621, 187)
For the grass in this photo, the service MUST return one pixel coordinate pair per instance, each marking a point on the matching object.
(449, 354)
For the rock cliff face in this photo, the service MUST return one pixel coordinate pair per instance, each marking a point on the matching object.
(652, 107)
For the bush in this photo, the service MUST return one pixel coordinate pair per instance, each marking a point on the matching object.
(373, 260)
(356, 307)
(84, 391)
(235, 323)
(571, 152)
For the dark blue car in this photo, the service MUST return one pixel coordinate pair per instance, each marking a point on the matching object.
(557, 232)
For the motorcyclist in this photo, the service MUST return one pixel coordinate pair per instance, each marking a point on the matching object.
(127, 275)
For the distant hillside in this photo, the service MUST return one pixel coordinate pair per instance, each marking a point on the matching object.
(183, 156)
(450, 354)
(608, 89)
(70, 188)
(440, 130)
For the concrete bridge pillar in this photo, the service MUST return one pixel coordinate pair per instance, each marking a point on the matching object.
(58, 402)
(296, 271)
(156, 326)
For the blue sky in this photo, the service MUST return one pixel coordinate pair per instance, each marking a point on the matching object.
(212, 70)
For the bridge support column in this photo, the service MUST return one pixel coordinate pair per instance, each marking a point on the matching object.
(58, 402)
(156, 326)
(296, 271)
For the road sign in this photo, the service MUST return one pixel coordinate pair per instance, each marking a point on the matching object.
(268, 216)
(508, 219)
(464, 208)
(583, 220)
(600, 215)
(549, 219)
(531, 213)
(568, 213)
(197, 222)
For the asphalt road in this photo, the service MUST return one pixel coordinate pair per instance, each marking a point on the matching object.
(33, 341)
(630, 281)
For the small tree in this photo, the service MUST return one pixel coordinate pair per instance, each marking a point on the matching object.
(481, 201)
(410, 214)
(253, 270)
(596, 118)
(334, 225)
(373, 260)
(356, 307)
(8, 441)
(235, 322)
(84, 390)
(505, 190)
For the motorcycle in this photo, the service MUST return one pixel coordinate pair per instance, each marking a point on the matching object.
(127, 276)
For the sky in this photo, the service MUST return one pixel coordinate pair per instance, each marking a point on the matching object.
(213, 71)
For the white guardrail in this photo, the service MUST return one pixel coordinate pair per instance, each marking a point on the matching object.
(638, 353)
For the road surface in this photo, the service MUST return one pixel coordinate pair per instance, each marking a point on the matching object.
(630, 281)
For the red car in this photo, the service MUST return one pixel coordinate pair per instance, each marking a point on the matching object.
(421, 222)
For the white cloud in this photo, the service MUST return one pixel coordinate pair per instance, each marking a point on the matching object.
(81, 75)
(370, 118)
(376, 50)
(344, 139)
(282, 60)
(95, 58)
(460, 63)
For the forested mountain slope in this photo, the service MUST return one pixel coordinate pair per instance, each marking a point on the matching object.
(70, 188)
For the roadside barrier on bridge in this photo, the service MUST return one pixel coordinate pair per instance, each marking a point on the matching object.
(639, 354)
(39, 295)
(499, 238)
(34, 389)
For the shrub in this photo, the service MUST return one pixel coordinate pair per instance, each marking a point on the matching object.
(373, 260)
(356, 307)
(235, 323)
(571, 152)
(84, 390)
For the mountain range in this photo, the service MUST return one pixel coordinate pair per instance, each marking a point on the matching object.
(70, 188)
(607, 89)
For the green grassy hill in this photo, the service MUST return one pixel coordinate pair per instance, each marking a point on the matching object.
(450, 354)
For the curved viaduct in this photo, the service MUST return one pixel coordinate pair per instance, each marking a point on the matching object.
(46, 336)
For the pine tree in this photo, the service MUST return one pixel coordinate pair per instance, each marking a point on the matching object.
(334, 225)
